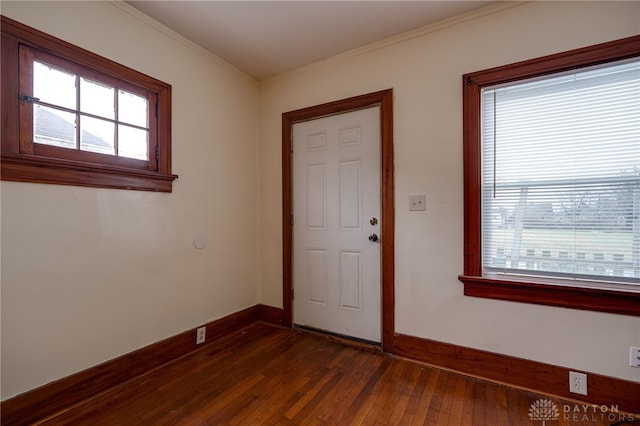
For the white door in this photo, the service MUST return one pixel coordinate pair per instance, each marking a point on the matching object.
(336, 224)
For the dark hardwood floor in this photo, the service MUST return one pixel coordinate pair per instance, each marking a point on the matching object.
(266, 375)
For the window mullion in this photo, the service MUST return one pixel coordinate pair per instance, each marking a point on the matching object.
(635, 257)
(78, 114)
(116, 131)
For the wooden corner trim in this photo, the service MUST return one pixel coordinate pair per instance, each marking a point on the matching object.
(519, 372)
(53, 397)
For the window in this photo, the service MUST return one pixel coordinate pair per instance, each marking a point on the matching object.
(75, 118)
(552, 180)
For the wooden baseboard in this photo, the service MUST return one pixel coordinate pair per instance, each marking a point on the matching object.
(53, 397)
(523, 373)
(271, 315)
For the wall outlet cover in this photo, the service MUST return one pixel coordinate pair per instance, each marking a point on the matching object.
(417, 202)
(577, 383)
(201, 333)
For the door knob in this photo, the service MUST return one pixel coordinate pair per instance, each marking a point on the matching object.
(373, 238)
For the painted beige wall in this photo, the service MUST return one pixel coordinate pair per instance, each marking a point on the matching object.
(425, 74)
(91, 274)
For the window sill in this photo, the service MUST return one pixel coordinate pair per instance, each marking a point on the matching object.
(32, 168)
(611, 301)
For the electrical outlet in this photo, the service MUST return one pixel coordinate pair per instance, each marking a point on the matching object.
(201, 332)
(578, 383)
(417, 202)
(634, 356)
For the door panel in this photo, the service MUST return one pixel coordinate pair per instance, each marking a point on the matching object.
(317, 276)
(350, 190)
(316, 196)
(350, 282)
(336, 194)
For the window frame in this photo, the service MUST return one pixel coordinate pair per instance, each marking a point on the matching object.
(25, 161)
(544, 291)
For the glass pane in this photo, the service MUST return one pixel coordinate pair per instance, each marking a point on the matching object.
(54, 86)
(54, 127)
(97, 99)
(132, 109)
(583, 125)
(97, 135)
(133, 143)
(585, 230)
(561, 175)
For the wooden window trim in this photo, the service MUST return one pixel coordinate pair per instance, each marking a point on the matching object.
(19, 163)
(537, 291)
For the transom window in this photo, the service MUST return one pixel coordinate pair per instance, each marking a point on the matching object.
(75, 118)
(552, 180)
(77, 112)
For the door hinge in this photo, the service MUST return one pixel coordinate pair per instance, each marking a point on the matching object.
(156, 109)
(292, 293)
(291, 220)
(157, 153)
(30, 99)
(291, 144)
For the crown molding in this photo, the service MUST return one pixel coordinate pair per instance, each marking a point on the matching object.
(443, 24)
(160, 27)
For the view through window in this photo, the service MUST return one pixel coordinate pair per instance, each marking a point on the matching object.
(75, 112)
(552, 179)
(72, 117)
(561, 175)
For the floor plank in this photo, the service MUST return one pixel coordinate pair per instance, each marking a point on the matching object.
(266, 375)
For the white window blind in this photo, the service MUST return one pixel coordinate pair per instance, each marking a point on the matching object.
(561, 176)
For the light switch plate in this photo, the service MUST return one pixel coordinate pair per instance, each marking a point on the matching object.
(417, 202)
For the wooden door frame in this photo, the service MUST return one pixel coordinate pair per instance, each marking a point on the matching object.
(383, 99)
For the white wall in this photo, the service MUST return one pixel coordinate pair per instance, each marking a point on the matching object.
(91, 274)
(425, 74)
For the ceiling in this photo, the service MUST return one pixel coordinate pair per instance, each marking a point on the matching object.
(264, 38)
